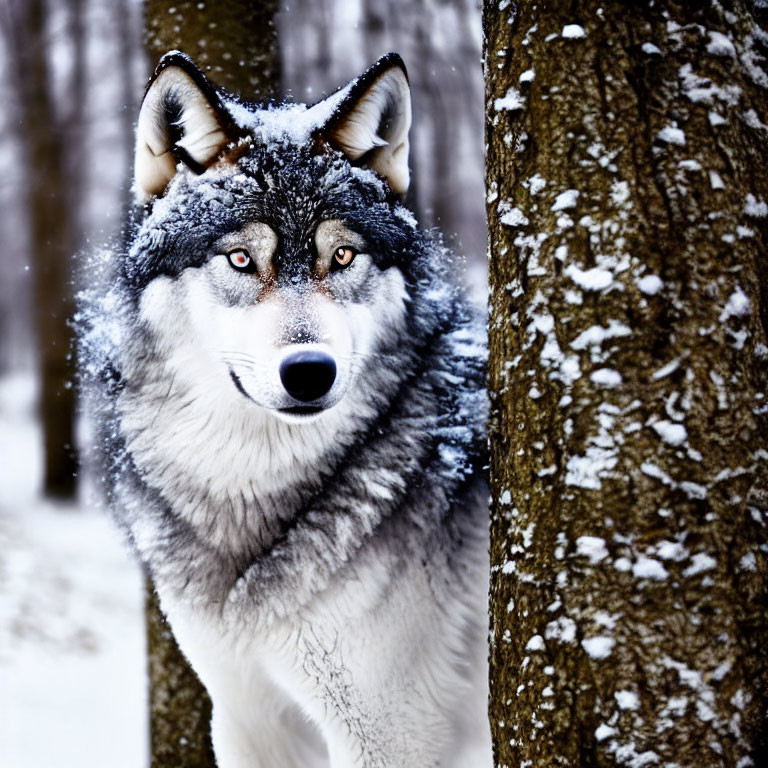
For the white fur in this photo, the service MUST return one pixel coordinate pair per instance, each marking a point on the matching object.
(358, 133)
(251, 450)
(269, 690)
(202, 135)
(374, 673)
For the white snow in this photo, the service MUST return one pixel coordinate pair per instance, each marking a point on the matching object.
(511, 216)
(716, 119)
(597, 334)
(650, 284)
(671, 550)
(620, 193)
(405, 215)
(585, 471)
(606, 377)
(543, 323)
(594, 279)
(672, 135)
(72, 657)
(720, 45)
(573, 31)
(591, 547)
(652, 470)
(647, 568)
(603, 731)
(748, 562)
(599, 647)
(536, 643)
(511, 101)
(671, 433)
(528, 76)
(665, 370)
(562, 629)
(754, 206)
(535, 184)
(627, 699)
(566, 200)
(693, 490)
(700, 563)
(737, 305)
(701, 90)
(716, 180)
(650, 49)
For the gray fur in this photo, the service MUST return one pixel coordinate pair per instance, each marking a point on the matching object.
(325, 577)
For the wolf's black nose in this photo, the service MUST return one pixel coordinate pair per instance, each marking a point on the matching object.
(307, 375)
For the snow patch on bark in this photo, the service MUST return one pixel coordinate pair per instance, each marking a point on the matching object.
(591, 547)
(566, 200)
(671, 134)
(650, 285)
(585, 471)
(671, 433)
(573, 32)
(511, 101)
(600, 647)
(594, 279)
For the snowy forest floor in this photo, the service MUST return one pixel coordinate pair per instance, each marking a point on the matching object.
(72, 646)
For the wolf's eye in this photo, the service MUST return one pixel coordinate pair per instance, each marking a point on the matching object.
(342, 257)
(241, 261)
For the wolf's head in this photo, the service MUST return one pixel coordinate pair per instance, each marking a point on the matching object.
(273, 250)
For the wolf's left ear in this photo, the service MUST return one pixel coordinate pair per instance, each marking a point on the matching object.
(183, 120)
(371, 120)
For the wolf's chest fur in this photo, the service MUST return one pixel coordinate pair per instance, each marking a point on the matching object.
(291, 397)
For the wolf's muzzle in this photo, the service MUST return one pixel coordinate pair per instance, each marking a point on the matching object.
(308, 375)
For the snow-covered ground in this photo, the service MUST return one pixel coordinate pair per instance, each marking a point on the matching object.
(72, 649)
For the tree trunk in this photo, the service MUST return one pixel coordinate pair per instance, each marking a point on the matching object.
(627, 173)
(51, 200)
(233, 42)
(236, 43)
(180, 710)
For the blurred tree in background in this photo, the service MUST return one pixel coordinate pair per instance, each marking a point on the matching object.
(51, 152)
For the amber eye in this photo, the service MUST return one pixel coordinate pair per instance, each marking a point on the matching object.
(343, 256)
(241, 261)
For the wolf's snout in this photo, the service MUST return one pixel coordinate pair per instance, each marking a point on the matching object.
(308, 375)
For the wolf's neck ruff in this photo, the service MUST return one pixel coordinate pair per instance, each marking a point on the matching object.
(291, 399)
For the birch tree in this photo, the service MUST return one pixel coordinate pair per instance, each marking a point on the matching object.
(235, 44)
(627, 177)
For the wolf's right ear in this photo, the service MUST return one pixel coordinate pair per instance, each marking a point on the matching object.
(182, 119)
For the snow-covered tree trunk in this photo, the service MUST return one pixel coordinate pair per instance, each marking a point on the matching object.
(627, 173)
(235, 42)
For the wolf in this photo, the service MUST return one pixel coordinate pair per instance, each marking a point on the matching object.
(288, 385)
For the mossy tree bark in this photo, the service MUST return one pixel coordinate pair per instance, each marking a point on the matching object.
(235, 44)
(627, 172)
